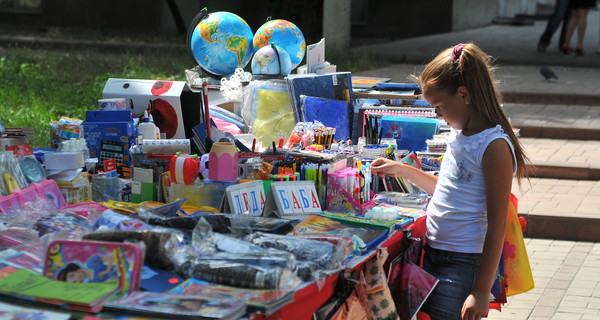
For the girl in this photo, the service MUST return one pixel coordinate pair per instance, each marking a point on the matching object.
(467, 213)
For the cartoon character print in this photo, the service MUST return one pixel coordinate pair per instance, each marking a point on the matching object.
(394, 132)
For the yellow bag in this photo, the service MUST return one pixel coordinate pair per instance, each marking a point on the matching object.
(517, 270)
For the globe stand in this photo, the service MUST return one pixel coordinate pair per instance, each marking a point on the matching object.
(258, 76)
(203, 14)
(199, 17)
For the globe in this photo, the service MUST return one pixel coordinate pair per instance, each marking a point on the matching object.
(220, 42)
(283, 34)
(269, 62)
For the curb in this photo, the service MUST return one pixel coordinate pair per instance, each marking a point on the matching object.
(562, 227)
(551, 98)
(569, 173)
(559, 133)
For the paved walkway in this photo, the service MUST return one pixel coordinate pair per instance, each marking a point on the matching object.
(566, 279)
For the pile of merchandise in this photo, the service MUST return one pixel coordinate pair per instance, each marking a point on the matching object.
(220, 200)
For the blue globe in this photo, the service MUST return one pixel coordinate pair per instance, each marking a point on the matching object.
(283, 34)
(267, 61)
(221, 43)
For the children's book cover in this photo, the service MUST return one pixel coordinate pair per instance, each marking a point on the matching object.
(366, 238)
(266, 301)
(179, 306)
(95, 261)
(19, 312)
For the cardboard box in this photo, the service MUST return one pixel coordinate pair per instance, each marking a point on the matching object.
(176, 109)
(109, 134)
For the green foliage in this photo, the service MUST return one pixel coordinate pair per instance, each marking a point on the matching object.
(41, 86)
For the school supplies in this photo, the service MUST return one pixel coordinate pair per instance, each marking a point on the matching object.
(180, 306)
(95, 261)
(266, 301)
(27, 286)
(410, 133)
(337, 86)
(365, 238)
(332, 113)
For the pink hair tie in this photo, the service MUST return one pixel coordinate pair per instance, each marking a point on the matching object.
(456, 51)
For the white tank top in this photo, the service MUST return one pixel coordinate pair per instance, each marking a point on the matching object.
(457, 214)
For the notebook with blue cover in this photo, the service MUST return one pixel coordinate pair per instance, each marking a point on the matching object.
(332, 113)
(337, 86)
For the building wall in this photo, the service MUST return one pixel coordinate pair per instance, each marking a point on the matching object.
(471, 13)
(370, 19)
(398, 19)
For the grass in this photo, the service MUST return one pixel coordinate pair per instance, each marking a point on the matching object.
(41, 86)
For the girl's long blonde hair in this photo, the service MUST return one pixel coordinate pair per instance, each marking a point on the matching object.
(467, 65)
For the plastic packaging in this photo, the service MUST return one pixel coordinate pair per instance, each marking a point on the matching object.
(160, 245)
(410, 200)
(112, 220)
(11, 175)
(106, 188)
(314, 257)
(268, 110)
(265, 270)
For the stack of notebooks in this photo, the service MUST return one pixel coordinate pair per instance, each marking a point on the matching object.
(22, 285)
(264, 301)
(179, 306)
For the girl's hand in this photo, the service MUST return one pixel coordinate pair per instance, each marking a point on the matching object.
(475, 307)
(383, 167)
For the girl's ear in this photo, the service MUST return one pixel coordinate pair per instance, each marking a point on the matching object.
(464, 93)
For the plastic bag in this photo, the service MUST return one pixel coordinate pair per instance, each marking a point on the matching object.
(517, 270)
(269, 110)
(256, 270)
(315, 258)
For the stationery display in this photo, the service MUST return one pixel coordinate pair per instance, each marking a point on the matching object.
(250, 205)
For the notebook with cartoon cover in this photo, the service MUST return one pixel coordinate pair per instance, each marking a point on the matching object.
(179, 306)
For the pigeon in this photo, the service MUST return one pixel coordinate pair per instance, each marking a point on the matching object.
(548, 73)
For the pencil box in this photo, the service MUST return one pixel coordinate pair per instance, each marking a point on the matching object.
(95, 261)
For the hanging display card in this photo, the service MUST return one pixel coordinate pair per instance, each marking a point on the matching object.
(291, 199)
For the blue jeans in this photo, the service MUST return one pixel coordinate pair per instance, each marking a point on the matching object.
(560, 15)
(456, 273)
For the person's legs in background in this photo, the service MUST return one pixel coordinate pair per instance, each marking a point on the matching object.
(581, 26)
(563, 28)
(572, 23)
(559, 15)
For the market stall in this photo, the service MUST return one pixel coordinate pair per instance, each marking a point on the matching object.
(232, 194)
